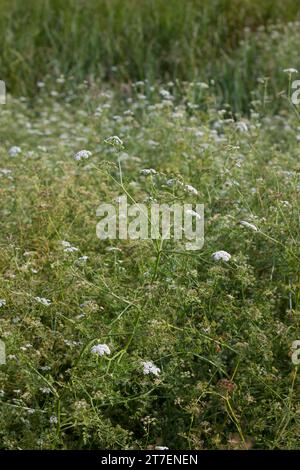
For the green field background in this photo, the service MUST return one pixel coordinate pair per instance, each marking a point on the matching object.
(128, 40)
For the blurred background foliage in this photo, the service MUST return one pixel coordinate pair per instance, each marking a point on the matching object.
(233, 42)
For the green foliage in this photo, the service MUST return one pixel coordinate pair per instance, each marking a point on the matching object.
(220, 332)
(124, 41)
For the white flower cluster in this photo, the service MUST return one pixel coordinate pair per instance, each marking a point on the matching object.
(100, 349)
(43, 301)
(14, 151)
(82, 155)
(290, 71)
(248, 225)
(150, 368)
(190, 189)
(242, 126)
(2, 302)
(221, 255)
(83, 259)
(148, 171)
(186, 187)
(68, 248)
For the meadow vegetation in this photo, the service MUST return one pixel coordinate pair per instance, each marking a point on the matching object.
(233, 42)
(129, 344)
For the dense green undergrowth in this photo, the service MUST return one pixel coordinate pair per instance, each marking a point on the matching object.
(233, 42)
(219, 332)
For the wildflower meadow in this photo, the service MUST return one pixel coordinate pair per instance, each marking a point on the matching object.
(117, 333)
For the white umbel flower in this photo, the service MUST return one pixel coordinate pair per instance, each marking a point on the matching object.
(83, 258)
(43, 301)
(190, 189)
(82, 155)
(242, 126)
(290, 70)
(65, 244)
(221, 255)
(150, 368)
(100, 349)
(114, 140)
(53, 419)
(171, 182)
(13, 151)
(202, 85)
(70, 249)
(148, 171)
(248, 225)
(2, 302)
